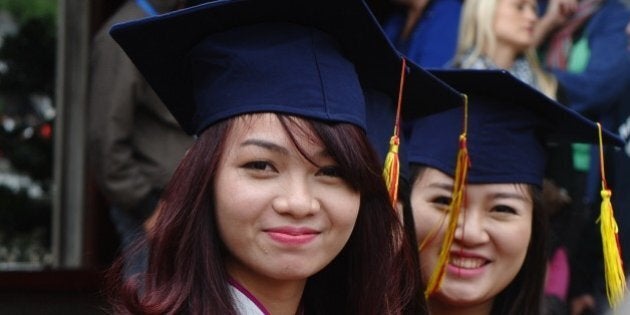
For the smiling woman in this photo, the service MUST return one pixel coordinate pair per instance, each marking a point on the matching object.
(490, 246)
(495, 263)
(279, 206)
(283, 212)
(283, 195)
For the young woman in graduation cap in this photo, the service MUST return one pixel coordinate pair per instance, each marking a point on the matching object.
(279, 207)
(476, 194)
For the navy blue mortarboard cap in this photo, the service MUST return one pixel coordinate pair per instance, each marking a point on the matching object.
(307, 58)
(509, 124)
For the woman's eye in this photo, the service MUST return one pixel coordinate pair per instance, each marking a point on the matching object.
(504, 209)
(442, 200)
(441, 203)
(332, 171)
(259, 166)
(527, 6)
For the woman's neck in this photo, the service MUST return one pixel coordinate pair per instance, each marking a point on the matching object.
(438, 308)
(503, 56)
(281, 298)
(277, 296)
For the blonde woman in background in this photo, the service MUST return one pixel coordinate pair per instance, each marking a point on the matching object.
(500, 34)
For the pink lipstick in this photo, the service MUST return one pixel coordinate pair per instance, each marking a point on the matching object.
(292, 235)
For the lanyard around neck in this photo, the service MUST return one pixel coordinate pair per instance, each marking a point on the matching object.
(146, 7)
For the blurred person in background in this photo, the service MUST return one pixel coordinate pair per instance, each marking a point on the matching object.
(134, 141)
(587, 51)
(499, 34)
(424, 30)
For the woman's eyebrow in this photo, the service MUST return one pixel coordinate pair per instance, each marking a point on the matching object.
(507, 195)
(271, 146)
(268, 145)
(443, 186)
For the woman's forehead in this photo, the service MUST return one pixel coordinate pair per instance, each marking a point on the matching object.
(432, 176)
(287, 131)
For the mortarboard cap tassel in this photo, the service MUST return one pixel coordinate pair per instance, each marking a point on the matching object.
(613, 264)
(391, 169)
(459, 187)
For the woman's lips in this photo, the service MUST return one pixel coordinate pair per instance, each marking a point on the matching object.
(466, 265)
(292, 235)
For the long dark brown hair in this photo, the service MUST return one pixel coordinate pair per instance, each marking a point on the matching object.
(524, 294)
(185, 271)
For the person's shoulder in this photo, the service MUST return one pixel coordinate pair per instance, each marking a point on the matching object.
(128, 11)
(612, 16)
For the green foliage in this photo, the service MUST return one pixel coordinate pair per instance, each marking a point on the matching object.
(32, 156)
(24, 10)
(29, 56)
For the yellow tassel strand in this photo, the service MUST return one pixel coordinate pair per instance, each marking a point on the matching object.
(613, 264)
(459, 186)
(391, 169)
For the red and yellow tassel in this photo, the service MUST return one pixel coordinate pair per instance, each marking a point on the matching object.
(613, 264)
(459, 186)
(391, 169)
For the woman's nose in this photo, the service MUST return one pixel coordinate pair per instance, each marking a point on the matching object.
(298, 199)
(471, 229)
